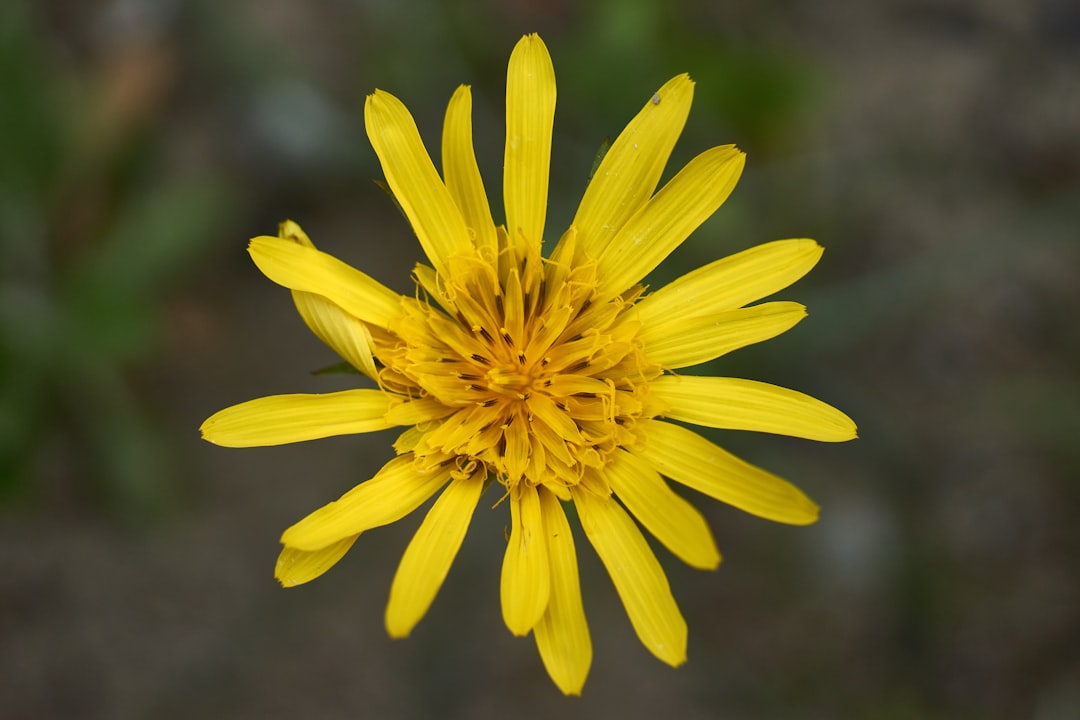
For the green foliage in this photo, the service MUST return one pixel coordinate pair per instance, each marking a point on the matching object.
(85, 265)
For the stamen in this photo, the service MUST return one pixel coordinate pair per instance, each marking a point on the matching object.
(506, 336)
(480, 359)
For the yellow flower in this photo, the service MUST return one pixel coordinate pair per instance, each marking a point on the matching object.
(550, 376)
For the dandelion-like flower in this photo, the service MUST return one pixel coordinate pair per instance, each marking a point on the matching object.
(550, 376)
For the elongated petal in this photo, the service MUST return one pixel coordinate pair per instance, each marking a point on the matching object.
(731, 282)
(341, 332)
(562, 635)
(526, 574)
(281, 419)
(737, 404)
(428, 558)
(637, 575)
(632, 167)
(686, 457)
(395, 491)
(414, 412)
(462, 173)
(663, 223)
(530, 113)
(296, 567)
(682, 341)
(309, 270)
(670, 518)
(412, 177)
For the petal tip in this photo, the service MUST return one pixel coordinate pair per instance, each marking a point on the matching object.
(808, 513)
(209, 432)
(847, 430)
(285, 581)
(670, 656)
(397, 629)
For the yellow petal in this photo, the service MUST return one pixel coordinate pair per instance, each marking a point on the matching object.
(637, 575)
(736, 404)
(731, 282)
(670, 518)
(291, 230)
(518, 446)
(664, 222)
(462, 174)
(341, 332)
(526, 576)
(414, 412)
(428, 558)
(296, 567)
(680, 341)
(281, 419)
(632, 167)
(395, 491)
(686, 457)
(309, 270)
(412, 178)
(545, 409)
(562, 635)
(530, 113)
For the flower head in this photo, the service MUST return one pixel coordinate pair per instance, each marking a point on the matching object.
(549, 377)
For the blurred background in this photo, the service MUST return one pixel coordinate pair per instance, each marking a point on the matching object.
(932, 146)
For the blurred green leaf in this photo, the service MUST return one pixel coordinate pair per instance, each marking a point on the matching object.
(30, 121)
(113, 293)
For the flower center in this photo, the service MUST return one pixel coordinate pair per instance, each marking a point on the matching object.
(524, 372)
